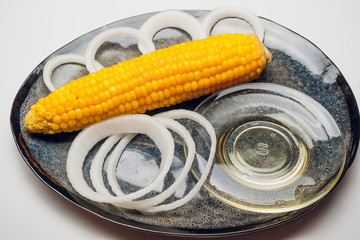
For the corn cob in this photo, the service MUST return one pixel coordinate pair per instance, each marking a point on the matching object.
(161, 78)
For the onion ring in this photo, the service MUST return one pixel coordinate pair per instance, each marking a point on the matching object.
(98, 161)
(99, 39)
(226, 12)
(112, 162)
(177, 114)
(175, 19)
(87, 138)
(143, 204)
(59, 60)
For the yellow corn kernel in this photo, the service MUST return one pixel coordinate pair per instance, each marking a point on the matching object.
(161, 78)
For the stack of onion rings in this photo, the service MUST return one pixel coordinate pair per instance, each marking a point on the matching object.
(124, 128)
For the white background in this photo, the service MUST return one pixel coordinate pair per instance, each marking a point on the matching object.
(31, 30)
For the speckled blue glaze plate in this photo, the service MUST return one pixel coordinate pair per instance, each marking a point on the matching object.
(296, 63)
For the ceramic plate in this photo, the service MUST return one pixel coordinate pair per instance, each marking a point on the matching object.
(296, 63)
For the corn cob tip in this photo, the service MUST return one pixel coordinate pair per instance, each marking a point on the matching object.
(268, 55)
(30, 121)
(36, 124)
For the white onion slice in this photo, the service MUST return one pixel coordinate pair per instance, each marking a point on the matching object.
(112, 164)
(143, 204)
(99, 39)
(175, 19)
(177, 114)
(226, 12)
(87, 138)
(97, 163)
(59, 60)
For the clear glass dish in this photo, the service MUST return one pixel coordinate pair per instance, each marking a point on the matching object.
(278, 149)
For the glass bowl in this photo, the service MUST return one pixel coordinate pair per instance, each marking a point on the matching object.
(278, 149)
